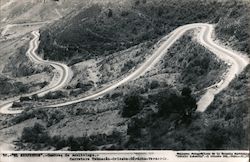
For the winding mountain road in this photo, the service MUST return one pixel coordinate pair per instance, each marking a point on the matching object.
(64, 71)
(7, 27)
(236, 61)
(61, 77)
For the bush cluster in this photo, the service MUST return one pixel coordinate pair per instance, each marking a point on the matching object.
(37, 136)
(183, 104)
(132, 105)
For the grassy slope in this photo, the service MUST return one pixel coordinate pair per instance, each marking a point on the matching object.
(32, 11)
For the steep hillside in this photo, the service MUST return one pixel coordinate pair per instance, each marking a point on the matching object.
(233, 27)
(102, 29)
(104, 40)
(106, 120)
(19, 75)
(225, 125)
(20, 11)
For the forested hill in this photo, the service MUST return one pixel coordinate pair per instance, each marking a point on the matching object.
(105, 28)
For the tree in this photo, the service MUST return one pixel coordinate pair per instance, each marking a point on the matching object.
(216, 136)
(55, 95)
(35, 97)
(110, 13)
(127, 66)
(170, 104)
(189, 101)
(183, 105)
(134, 128)
(186, 91)
(132, 105)
(55, 117)
(25, 99)
(154, 84)
(35, 134)
(137, 2)
(58, 142)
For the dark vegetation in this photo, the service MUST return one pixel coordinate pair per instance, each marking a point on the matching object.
(229, 115)
(175, 125)
(9, 86)
(80, 88)
(177, 109)
(127, 66)
(184, 104)
(101, 31)
(21, 66)
(132, 105)
(225, 125)
(36, 137)
(36, 134)
(161, 120)
(198, 67)
(55, 95)
(233, 27)
(167, 102)
(50, 118)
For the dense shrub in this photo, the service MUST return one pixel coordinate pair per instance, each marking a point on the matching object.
(7, 86)
(154, 84)
(17, 104)
(25, 115)
(127, 66)
(215, 137)
(35, 134)
(55, 95)
(84, 86)
(134, 128)
(184, 105)
(55, 117)
(35, 97)
(110, 13)
(132, 105)
(25, 99)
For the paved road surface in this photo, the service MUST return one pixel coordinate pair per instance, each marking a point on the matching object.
(236, 61)
(62, 76)
(7, 27)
